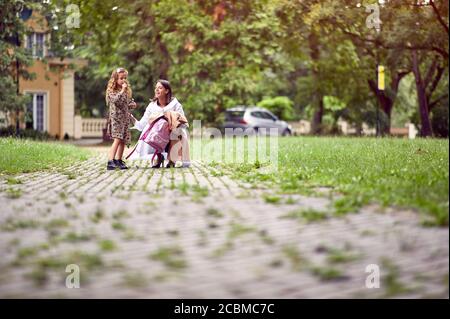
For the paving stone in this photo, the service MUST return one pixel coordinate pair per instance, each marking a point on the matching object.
(190, 233)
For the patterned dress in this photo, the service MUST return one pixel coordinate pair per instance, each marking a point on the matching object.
(119, 116)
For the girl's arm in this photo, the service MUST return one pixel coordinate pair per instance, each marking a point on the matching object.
(132, 104)
(117, 98)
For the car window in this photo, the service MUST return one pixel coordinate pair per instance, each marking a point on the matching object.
(267, 116)
(234, 115)
(257, 115)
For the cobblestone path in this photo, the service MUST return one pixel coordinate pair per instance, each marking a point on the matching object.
(195, 233)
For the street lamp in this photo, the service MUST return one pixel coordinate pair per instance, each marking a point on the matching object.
(380, 88)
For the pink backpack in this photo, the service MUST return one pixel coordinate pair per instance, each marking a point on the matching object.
(157, 135)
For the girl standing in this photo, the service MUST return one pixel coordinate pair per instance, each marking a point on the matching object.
(118, 98)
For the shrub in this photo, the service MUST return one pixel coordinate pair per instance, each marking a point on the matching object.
(439, 121)
(10, 131)
(281, 106)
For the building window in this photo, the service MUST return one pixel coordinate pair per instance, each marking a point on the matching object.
(35, 44)
(36, 111)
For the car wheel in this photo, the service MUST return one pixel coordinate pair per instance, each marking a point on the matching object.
(286, 132)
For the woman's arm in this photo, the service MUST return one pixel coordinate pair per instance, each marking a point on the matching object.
(179, 108)
(139, 125)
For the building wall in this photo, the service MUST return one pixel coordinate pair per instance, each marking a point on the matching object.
(48, 80)
(68, 103)
(37, 22)
(57, 81)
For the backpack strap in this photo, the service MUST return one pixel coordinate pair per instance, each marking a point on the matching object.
(153, 157)
(134, 148)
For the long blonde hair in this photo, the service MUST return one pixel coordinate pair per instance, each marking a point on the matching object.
(112, 83)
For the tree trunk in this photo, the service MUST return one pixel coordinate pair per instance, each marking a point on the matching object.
(386, 102)
(316, 125)
(425, 129)
(17, 92)
(386, 105)
(431, 81)
(164, 65)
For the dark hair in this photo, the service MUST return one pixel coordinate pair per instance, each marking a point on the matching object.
(166, 85)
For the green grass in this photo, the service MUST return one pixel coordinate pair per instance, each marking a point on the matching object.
(23, 156)
(13, 224)
(328, 273)
(294, 256)
(13, 181)
(56, 223)
(118, 226)
(392, 285)
(307, 215)
(387, 171)
(13, 193)
(41, 266)
(121, 214)
(107, 245)
(237, 230)
(134, 280)
(338, 256)
(170, 256)
(214, 212)
(271, 199)
(200, 191)
(98, 216)
(73, 237)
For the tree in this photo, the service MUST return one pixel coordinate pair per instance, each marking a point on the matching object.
(434, 38)
(14, 59)
(333, 65)
(225, 52)
(281, 106)
(414, 36)
(215, 53)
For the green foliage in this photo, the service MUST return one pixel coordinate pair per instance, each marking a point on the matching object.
(439, 120)
(214, 57)
(281, 106)
(12, 30)
(319, 56)
(10, 131)
(15, 59)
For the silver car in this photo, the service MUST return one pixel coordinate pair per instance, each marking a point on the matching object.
(255, 118)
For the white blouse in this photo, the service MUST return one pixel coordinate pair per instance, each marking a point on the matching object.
(153, 107)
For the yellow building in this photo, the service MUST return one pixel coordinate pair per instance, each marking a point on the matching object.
(52, 106)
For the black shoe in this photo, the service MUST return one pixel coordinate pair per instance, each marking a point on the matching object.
(111, 165)
(160, 161)
(170, 164)
(120, 164)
